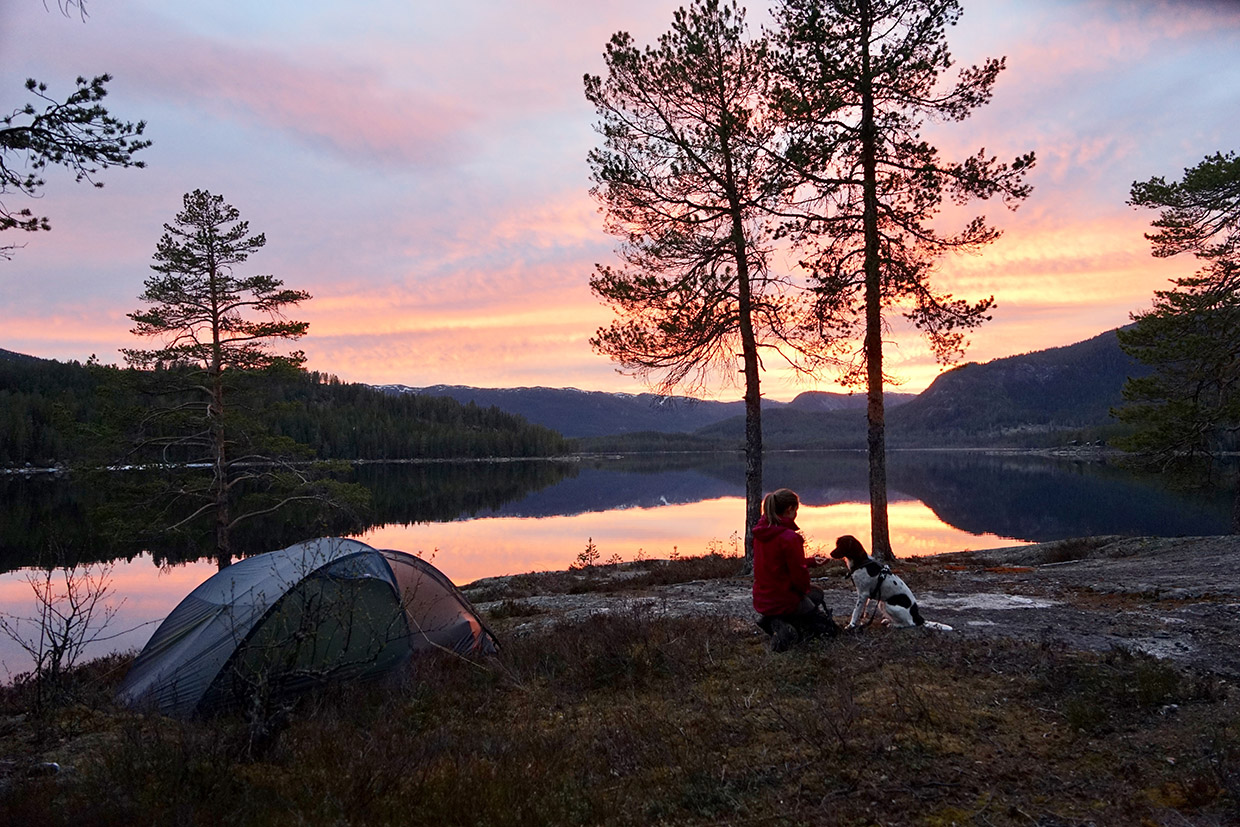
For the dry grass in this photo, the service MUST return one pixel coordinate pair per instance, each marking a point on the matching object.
(636, 719)
(610, 577)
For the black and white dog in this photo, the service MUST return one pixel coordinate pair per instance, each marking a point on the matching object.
(874, 581)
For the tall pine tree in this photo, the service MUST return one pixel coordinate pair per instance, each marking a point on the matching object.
(686, 178)
(855, 83)
(217, 329)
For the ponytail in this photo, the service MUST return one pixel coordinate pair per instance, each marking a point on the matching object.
(778, 502)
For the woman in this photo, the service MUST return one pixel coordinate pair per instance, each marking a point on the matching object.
(782, 592)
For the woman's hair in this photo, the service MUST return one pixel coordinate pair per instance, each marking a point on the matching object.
(778, 502)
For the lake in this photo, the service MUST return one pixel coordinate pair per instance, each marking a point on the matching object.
(475, 520)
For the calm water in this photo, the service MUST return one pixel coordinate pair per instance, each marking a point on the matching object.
(479, 520)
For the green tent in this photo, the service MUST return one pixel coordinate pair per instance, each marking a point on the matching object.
(325, 610)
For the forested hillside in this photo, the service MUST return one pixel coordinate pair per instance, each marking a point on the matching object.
(1035, 399)
(1056, 389)
(50, 411)
(53, 413)
(577, 413)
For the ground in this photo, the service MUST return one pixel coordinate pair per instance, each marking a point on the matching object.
(1174, 598)
(665, 705)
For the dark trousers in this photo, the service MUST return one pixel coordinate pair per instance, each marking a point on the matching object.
(810, 619)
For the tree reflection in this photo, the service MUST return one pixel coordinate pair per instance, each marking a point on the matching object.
(1024, 497)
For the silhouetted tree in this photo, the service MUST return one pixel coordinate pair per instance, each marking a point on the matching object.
(1187, 412)
(855, 82)
(1199, 214)
(77, 134)
(67, 7)
(684, 175)
(217, 329)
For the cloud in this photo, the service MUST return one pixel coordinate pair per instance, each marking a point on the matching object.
(339, 106)
(336, 101)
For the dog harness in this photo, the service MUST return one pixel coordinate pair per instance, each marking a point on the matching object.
(875, 590)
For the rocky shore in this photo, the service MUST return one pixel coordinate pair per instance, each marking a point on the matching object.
(1174, 598)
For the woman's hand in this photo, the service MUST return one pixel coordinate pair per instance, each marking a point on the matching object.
(818, 560)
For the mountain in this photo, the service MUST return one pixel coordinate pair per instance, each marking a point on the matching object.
(1057, 389)
(819, 401)
(1027, 400)
(577, 413)
(1030, 400)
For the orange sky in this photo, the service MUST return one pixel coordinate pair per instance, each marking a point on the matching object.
(420, 169)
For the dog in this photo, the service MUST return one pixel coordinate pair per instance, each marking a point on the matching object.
(874, 581)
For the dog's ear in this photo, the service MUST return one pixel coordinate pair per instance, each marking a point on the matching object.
(841, 546)
(848, 546)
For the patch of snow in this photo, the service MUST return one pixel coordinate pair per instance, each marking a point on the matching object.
(1166, 648)
(985, 601)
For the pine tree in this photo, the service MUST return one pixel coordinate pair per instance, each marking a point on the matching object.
(1187, 412)
(685, 176)
(855, 82)
(217, 329)
(78, 134)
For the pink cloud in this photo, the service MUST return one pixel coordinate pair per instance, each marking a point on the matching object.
(550, 351)
(319, 97)
(341, 107)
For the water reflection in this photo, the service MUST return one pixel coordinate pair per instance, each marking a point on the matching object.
(480, 519)
(470, 549)
(105, 517)
(1030, 498)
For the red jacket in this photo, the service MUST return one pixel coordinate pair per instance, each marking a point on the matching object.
(780, 571)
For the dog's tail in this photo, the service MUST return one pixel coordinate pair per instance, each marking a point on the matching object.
(929, 624)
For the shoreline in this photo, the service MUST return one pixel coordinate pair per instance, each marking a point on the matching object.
(1085, 452)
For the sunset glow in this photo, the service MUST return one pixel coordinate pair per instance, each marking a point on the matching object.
(420, 169)
(471, 549)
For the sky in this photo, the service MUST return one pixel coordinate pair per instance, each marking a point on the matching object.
(420, 168)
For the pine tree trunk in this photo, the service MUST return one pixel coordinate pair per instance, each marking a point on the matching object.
(219, 481)
(876, 446)
(219, 492)
(753, 395)
(876, 433)
(1235, 511)
(753, 455)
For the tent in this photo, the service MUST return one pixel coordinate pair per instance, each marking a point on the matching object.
(324, 610)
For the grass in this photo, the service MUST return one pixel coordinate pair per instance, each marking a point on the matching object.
(632, 718)
(611, 577)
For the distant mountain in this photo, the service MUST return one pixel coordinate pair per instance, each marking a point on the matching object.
(1025, 401)
(576, 413)
(1057, 389)
(818, 401)
(1017, 400)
